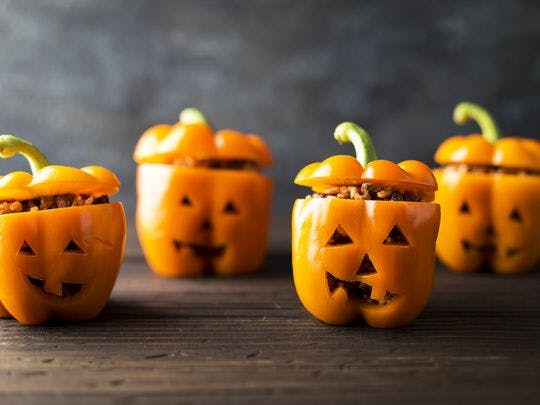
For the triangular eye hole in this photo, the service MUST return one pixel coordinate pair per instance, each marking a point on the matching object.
(396, 237)
(230, 208)
(185, 201)
(73, 247)
(26, 249)
(464, 209)
(339, 237)
(515, 215)
(366, 267)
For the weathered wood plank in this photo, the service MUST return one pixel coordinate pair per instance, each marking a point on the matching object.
(248, 340)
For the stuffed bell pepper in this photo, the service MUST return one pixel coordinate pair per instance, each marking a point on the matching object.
(363, 244)
(62, 240)
(490, 197)
(203, 205)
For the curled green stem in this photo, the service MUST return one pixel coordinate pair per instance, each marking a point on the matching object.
(350, 132)
(464, 112)
(189, 116)
(10, 145)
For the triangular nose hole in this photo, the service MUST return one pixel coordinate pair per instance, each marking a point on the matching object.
(206, 225)
(396, 237)
(515, 215)
(185, 201)
(339, 237)
(26, 249)
(366, 267)
(73, 247)
(230, 208)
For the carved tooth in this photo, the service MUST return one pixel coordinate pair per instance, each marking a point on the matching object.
(355, 289)
(366, 288)
(378, 293)
(389, 296)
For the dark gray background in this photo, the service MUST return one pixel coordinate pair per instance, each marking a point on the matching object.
(83, 79)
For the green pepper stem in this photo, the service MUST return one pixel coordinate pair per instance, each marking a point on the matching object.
(464, 112)
(190, 116)
(350, 132)
(10, 145)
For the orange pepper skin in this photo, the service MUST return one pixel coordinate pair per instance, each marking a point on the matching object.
(488, 224)
(489, 191)
(194, 217)
(406, 271)
(33, 285)
(331, 278)
(182, 207)
(518, 246)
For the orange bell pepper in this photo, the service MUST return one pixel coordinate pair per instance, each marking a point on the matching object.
(490, 194)
(62, 242)
(202, 204)
(365, 257)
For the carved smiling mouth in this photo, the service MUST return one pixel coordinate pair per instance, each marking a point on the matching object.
(204, 251)
(488, 249)
(357, 290)
(68, 289)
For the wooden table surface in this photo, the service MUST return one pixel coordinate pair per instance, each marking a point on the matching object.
(248, 340)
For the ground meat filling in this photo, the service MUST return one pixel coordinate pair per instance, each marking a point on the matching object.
(463, 168)
(224, 164)
(50, 202)
(370, 191)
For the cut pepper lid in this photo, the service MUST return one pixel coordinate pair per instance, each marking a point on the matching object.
(487, 148)
(192, 138)
(345, 170)
(47, 179)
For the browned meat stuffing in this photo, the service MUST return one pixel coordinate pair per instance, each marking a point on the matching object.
(463, 168)
(50, 202)
(370, 191)
(228, 164)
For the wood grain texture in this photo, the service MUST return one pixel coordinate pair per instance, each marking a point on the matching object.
(248, 340)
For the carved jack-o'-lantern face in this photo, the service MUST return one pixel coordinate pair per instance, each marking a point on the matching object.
(488, 221)
(489, 192)
(69, 273)
(193, 221)
(379, 269)
(202, 204)
(361, 254)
